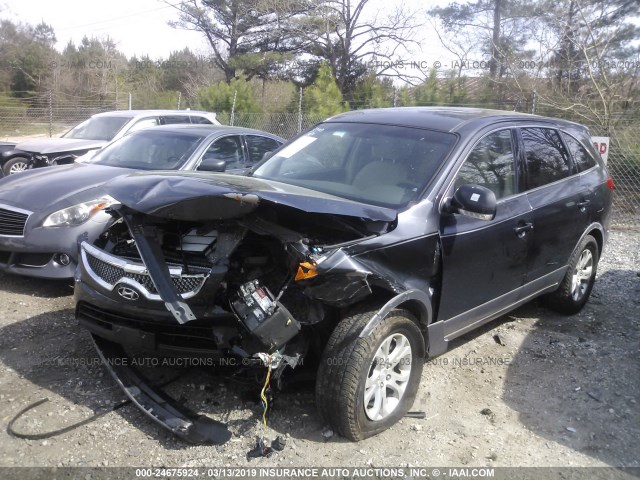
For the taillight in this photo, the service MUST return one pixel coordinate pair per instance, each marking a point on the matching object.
(610, 183)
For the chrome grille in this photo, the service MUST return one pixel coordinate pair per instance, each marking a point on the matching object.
(12, 222)
(111, 273)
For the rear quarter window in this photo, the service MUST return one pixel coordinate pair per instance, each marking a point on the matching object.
(197, 119)
(581, 157)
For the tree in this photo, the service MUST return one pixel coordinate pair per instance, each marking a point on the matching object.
(497, 29)
(373, 92)
(323, 97)
(95, 67)
(27, 52)
(248, 35)
(429, 92)
(44, 34)
(350, 38)
(220, 97)
(593, 66)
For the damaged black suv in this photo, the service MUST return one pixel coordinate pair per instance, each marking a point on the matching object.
(367, 243)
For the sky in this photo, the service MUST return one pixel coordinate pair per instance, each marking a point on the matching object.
(137, 26)
(140, 27)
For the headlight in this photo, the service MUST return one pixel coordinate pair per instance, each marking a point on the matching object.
(78, 214)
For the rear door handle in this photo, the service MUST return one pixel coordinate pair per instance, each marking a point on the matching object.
(522, 230)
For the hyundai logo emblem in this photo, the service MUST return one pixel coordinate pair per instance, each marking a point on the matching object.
(128, 293)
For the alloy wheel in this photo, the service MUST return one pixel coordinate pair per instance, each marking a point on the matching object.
(582, 275)
(18, 167)
(388, 377)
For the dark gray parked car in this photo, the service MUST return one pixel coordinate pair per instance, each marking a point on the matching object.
(368, 243)
(44, 211)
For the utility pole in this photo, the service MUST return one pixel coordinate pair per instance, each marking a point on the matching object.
(50, 114)
(233, 107)
(300, 112)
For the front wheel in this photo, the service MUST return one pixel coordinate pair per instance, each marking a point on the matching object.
(576, 286)
(15, 165)
(365, 385)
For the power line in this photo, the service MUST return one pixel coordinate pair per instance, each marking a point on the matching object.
(109, 20)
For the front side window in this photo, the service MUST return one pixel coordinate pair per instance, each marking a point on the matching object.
(491, 165)
(228, 149)
(376, 164)
(97, 128)
(546, 159)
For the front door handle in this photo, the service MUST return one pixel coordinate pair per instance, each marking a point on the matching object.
(521, 230)
(583, 205)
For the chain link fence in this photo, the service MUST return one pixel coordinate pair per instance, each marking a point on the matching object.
(52, 115)
(624, 167)
(286, 125)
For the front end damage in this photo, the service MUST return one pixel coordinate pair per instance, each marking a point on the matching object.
(232, 268)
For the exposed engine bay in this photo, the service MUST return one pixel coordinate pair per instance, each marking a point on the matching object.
(267, 275)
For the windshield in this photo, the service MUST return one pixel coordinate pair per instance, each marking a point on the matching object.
(376, 164)
(97, 128)
(150, 150)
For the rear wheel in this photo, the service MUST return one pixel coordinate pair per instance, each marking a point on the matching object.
(15, 165)
(365, 385)
(576, 286)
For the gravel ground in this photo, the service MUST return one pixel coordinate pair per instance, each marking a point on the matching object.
(530, 389)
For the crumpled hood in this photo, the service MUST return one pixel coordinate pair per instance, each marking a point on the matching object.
(46, 189)
(196, 196)
(59, 145)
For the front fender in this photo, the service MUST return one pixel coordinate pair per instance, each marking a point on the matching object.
(415, 297)
(11, 154)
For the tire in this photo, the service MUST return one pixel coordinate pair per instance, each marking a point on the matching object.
(348, 360)
(15, 165)
(576, 286)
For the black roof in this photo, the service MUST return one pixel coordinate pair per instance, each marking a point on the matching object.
(447, 119)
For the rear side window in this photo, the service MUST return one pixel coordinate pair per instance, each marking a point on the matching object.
(200, 120)
(581, 157)
(491, 164)
(259, 145)
(173, 119)
(547, 160)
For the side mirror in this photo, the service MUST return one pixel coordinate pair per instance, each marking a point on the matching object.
(266, 155)
(212, 165)
(473, 201)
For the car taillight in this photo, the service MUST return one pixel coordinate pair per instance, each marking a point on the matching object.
(609, 183)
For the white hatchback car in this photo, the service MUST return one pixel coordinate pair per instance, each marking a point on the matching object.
(92, 134)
